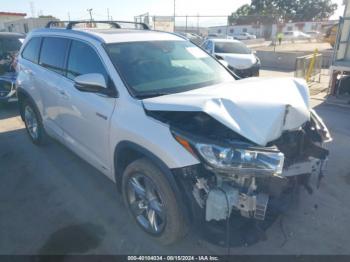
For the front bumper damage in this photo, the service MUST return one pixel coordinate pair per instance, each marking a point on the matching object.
(217, 196)
(242, 208)
(253, 203)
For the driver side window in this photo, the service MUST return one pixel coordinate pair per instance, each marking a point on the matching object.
(84, 60)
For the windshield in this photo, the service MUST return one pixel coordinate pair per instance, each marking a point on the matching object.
(165, 67)
(231, 48)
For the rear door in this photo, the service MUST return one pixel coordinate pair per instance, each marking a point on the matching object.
(86, 116)
(49, 78)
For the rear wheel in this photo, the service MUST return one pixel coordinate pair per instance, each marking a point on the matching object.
(33, 123)
(152, 203)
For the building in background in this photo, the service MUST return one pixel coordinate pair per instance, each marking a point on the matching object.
(25, 25)
(305, 27)
(269, 31)
(163, 23)
(8, 17)
(232, 30)
(202, 31)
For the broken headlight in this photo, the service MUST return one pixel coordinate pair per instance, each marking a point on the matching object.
(243, 161)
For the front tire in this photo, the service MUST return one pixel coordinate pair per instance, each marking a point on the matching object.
(152, 203)
(33, 123)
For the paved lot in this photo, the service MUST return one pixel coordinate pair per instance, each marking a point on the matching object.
(51, 202)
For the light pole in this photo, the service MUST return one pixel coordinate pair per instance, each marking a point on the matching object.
(174, 13)
(90, 12)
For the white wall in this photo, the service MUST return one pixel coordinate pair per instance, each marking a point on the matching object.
(343, 52)
(7, 18)
(21, 25)
(236, 29)
(347, 8)
(259, 32)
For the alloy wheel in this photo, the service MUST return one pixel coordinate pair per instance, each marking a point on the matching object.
(31, 122)
(146, 204)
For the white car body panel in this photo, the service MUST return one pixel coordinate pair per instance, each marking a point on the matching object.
(109, 37)
(239, 61)
(130, 123)
(85, 120)
(258, 109)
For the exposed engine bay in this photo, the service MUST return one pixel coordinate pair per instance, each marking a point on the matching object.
(237, 175)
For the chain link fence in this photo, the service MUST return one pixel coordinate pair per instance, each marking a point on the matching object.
(195, 24)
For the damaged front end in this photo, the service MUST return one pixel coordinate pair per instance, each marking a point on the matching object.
(238, 176)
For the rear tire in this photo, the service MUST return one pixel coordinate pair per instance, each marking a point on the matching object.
(33, 122)
(168, 218)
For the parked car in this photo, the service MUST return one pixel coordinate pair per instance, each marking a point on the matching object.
(217, 36)
(244, 36)
(196, 39)
(295, 36)
(10, 43)
(314, 34)
(240, 59)
(185, 142)
(213, 36)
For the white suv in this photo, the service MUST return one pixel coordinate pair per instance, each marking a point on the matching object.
(184, 141)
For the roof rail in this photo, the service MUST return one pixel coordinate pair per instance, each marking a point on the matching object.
(114, 24)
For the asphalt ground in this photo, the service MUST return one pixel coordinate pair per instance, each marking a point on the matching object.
(52, 202)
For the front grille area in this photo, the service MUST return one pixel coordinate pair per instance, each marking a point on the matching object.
(244, 73)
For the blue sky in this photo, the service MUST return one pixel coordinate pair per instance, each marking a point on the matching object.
(126, 9)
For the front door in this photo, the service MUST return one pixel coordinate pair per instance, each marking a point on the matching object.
(85, 117)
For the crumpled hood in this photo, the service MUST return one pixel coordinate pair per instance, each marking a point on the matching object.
(259, 109)
(239, 61)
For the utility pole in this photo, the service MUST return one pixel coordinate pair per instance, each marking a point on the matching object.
(197, 23)
(90, 12)
(68, 16)
(108, 14)
(32, 8)
(174, 13)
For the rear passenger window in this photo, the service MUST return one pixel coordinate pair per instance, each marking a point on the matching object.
(53, 53)
(84, 60)
(31, 50)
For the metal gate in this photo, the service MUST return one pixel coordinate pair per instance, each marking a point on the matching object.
(309, 67)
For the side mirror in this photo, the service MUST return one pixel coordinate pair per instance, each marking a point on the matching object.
(93, 83)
